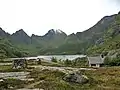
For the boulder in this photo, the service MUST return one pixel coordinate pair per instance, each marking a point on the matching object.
(76, 78)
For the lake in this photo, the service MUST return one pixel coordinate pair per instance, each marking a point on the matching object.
(48, 57)
(62, 57)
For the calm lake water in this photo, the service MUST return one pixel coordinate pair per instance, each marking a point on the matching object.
(49, 57)
(62, 57)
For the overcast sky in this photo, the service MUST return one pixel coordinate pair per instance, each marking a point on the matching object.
(39, 16)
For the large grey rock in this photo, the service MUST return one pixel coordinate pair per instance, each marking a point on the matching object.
(76, 78)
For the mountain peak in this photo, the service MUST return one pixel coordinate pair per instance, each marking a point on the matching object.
(3, 33)
(119, 12)
(21, 37)
(20, 31)
(33, 35)
(57, 31)
(51, 30)
(0, 28)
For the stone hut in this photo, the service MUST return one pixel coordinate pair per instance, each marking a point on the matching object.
(96, 61)
(19, 63)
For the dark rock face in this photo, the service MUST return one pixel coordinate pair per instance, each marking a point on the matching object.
(119, 12)
(99, 41)
(116, 31)
(53, 34)
(3, 33)
(21, 37)
(76, 78)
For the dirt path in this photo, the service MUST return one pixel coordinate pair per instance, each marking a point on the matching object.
(5, 64)
(62, 69)
(15, 75)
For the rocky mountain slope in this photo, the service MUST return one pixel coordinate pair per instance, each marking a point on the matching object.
(20, 37)
(52, 38)
(110, 40)
(58, 42)
(4, 34)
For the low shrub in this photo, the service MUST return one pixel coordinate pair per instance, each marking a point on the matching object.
(112, 61)
(53, 59)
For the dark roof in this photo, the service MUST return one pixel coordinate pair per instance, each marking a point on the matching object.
(95, 60)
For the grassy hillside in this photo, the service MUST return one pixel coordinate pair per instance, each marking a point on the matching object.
(7, 49)
(111, 39)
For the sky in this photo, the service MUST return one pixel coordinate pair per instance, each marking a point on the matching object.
(39, 16)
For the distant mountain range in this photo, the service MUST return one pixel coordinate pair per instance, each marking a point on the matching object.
(58, 42)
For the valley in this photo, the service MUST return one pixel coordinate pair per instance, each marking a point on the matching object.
(58, 42)
(65, 69)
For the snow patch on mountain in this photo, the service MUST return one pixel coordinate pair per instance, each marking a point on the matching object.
(58, 31)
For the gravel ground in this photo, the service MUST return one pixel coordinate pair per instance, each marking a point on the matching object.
(62, 69)
(5, 64)
(14, 75)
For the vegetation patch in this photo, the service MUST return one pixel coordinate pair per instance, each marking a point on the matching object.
(8, 68)
(11, 84)
(106, 78)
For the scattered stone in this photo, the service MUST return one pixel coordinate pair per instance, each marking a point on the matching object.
(76, 78)
(1, 80)
(14, 75)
